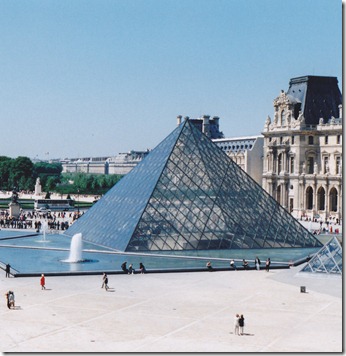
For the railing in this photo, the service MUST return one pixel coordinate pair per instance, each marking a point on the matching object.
(3, 267)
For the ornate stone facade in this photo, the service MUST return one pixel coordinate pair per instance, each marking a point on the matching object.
(302, 163)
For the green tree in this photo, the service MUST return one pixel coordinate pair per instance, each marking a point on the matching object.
(5, 169)
(49, 174)
(51, 183)
(21, 171)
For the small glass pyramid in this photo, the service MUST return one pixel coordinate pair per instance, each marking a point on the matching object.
(187, 194)
(327, 260)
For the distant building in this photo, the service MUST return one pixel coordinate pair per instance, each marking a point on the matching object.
(247, 152)
(302, 166)
(121, 164)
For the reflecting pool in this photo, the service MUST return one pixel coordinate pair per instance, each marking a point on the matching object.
(31, 253)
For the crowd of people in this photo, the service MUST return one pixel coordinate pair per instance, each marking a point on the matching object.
(35, 220)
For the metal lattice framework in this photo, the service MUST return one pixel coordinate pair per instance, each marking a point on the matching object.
(187, 194)
(327, 260)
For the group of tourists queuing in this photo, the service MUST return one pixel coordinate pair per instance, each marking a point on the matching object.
(33, 220)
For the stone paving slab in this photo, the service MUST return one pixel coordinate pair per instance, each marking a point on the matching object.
(174, 312)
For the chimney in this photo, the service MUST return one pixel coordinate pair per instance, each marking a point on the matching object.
(216, 121)
(179, 117)
(205, 127)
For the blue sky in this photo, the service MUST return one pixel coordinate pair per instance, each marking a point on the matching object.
(99, 77)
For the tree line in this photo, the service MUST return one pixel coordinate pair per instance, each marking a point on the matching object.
(21, 173)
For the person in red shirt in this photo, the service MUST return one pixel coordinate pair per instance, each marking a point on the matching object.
(43, 282)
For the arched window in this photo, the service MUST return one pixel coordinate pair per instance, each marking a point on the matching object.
(309, 198)
(279, 163)
(321, 198)
(333, 200)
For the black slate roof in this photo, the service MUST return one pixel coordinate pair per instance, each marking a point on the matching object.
(318, 97)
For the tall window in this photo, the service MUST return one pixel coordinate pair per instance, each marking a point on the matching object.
(310, 165)
(292, 140)
(311, 140)
(280, 163)
(326, 140)
(337, 165)
(292, 164)
(325, 165)
(309, 198)
(338, 139)
(321, 198)
(278, 194)
(283, 118)
(333, 200)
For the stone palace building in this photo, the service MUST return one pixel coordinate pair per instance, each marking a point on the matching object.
(302, 153)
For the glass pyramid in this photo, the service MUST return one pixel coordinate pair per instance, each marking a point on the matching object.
(327, 260)
(187, 194)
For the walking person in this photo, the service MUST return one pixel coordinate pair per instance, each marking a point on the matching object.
(8, 270)
(267, 264)
(105, 281)
(236, 324)
(43, 281)
(257, 263)
(241, 324)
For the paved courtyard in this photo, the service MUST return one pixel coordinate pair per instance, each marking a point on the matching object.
(174, 312)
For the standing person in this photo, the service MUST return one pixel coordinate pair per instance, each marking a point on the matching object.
(43, 281)
(10, 299)
(257, 263)
(105, 281)
(8, 270)
(236, 325)
(241, 324)
(267, 264)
